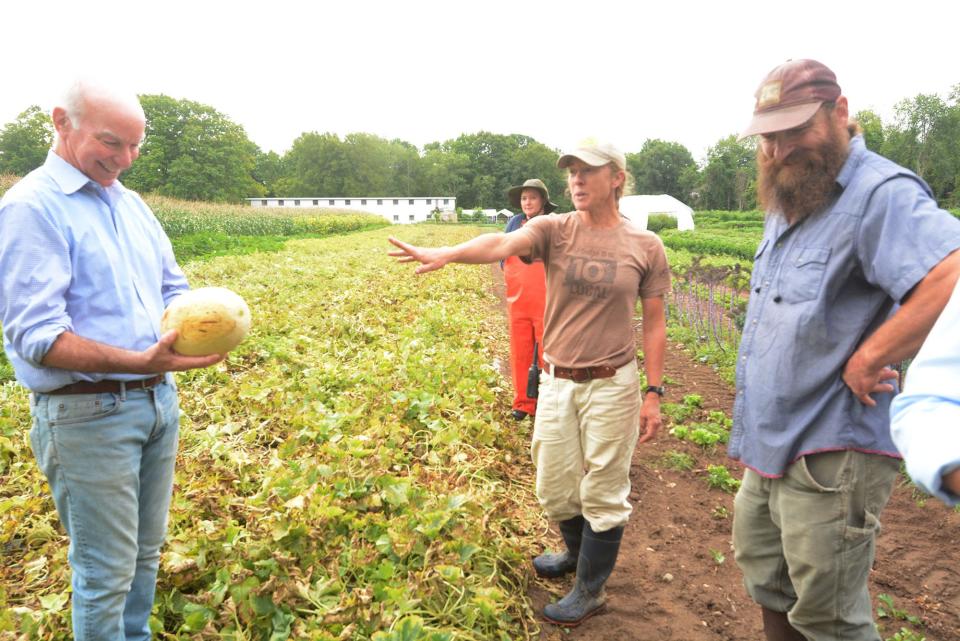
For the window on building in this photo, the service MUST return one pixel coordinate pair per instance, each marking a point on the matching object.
(263, 202)
(379, 201)
(396, 218)
(396, 201)
(411, 216)
(446, 201)
(296, 203)
(363, 202)
(429, 201)
(411, 201)
(316, 202)
(280, 202)
(331, 201)
(346, 202)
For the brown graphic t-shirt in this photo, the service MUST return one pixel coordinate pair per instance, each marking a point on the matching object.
(594, 277)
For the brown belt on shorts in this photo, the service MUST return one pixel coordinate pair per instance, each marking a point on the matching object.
(581, 374)
(103, 387)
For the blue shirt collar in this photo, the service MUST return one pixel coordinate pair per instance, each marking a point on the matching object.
(857, 150)
(71, 180)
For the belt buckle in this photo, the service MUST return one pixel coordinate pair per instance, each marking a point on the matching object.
(582, 375)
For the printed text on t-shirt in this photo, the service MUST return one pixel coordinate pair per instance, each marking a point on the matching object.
(590, 277)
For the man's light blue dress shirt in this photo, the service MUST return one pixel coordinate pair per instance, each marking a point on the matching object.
(925, 419)
(78, 257)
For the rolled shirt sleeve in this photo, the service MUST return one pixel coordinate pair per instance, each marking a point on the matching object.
(35, 273)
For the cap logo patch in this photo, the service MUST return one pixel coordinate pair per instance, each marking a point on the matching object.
(769, 94)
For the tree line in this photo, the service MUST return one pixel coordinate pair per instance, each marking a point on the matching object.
(193, 151)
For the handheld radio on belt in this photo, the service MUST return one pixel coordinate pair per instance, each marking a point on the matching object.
(533, 375)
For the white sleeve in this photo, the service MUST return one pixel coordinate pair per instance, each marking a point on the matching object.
(925, 418)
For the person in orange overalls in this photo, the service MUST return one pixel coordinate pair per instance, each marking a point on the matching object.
(526, 295)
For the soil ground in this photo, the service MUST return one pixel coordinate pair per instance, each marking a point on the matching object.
(676, 578)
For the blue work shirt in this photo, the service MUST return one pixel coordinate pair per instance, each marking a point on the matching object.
(819, 288)
(78, 257)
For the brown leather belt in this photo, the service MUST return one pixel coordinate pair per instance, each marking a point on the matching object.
(581, 374)
(103, 387)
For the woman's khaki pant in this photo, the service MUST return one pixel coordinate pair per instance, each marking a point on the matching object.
(583, 440)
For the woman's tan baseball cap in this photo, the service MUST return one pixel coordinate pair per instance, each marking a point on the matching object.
(595, 154)
(514, 194)
(790, 95)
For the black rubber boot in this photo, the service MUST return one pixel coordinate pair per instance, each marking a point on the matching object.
(776, 627)
(552, 566)
(598, 555)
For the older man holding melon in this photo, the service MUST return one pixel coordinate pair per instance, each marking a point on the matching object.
(86, 273)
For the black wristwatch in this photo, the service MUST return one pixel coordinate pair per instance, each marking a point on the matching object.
(653, 388)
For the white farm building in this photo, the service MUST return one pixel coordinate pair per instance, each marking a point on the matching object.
(403, 210)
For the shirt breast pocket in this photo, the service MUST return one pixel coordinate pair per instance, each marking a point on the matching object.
(802, 276)
(755, 272)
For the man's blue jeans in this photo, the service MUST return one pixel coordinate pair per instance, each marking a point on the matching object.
(109, 461)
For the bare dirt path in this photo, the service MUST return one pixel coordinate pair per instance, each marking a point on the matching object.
(676, 578)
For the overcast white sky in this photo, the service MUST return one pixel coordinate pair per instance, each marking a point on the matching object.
(424, 71)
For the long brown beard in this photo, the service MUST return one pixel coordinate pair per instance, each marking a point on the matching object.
(807, 184)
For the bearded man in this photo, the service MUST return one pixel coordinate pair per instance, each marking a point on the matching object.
(856, 263)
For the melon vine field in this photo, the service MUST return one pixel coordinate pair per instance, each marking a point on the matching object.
(351, 471)
(346, 472)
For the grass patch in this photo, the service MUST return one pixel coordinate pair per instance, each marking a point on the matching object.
(206, 245)
(723, 360)
(679, 461)
(706, 434)
(680, 412)
(719, 477)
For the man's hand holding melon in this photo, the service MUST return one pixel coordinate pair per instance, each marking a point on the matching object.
(199, 327)
(209, 320)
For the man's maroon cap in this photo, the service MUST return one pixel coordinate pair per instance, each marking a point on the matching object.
(790, 95)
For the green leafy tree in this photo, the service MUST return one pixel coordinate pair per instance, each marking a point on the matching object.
(25, 141)
(483, 166)
(910, 142)
(659, 167)
(268, 171)
(192, 151)
(926, 138)
(729, 177)
(379, 167)
(359, 165)
(444, 172)
(317, 165)
(690, 180)
(872, 128)
(406, 170)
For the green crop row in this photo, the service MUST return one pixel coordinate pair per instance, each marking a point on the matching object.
(711, 217)
(740, 245)
(182, 218)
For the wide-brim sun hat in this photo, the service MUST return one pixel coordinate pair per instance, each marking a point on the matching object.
(514, 194)
(790, 95)
(595, 154)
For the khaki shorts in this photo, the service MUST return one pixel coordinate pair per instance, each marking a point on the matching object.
(806, 542)
(583, 439)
